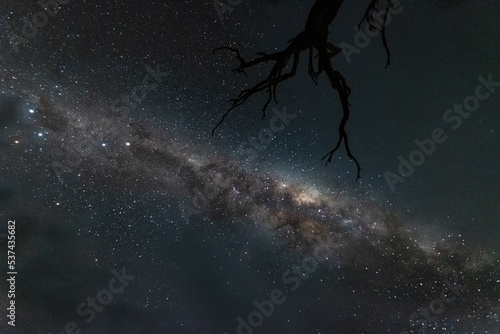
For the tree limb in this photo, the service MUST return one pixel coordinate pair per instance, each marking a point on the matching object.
(314, 38)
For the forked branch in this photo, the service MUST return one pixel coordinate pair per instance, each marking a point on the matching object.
(314, 40)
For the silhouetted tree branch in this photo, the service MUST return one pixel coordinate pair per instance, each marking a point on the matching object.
(314, 39)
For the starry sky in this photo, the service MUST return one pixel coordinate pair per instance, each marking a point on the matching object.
(109, 168)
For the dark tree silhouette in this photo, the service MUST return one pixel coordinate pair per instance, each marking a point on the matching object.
(314, 40)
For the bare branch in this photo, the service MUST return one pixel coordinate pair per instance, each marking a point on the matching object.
(314, 39)
(369, 18)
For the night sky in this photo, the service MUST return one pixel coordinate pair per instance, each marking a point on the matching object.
(130, 217)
